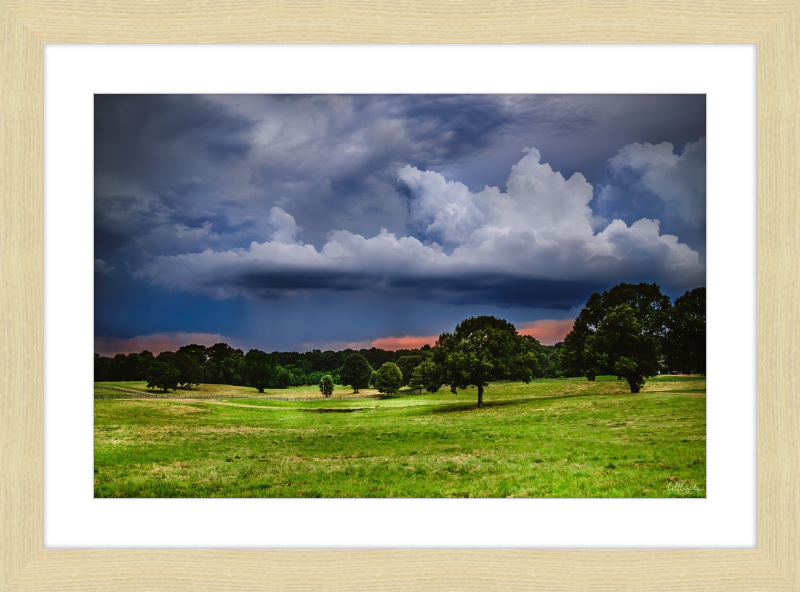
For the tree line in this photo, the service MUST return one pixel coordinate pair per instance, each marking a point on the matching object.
(631, 331)
(222, 364)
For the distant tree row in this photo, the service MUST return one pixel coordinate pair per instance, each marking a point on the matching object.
(222, 364)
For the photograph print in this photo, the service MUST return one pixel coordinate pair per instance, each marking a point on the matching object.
(420, 296)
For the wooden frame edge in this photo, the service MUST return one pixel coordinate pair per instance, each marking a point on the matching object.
(26, 26)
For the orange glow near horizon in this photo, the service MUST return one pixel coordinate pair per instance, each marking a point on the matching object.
(548, 331)
(407, 342)
(156, 342)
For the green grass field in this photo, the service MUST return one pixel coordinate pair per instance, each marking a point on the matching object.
(549, 438)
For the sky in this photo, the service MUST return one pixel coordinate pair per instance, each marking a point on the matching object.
(302, 222)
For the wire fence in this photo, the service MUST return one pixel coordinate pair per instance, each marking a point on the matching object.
(117, 392)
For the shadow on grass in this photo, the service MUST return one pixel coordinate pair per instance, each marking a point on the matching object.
(680, 392)
(330, 410)
(468, 406)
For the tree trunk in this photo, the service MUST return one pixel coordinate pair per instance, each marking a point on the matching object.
(480, 396)
(634, 387)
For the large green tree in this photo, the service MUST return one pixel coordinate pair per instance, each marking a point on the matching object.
(388, 378)
(480, 350)
(356, 372)
(190, 371)
(258, 370)
(224, 365)
(685, 342)
(163, 375)
(621, 346)
(650, 308)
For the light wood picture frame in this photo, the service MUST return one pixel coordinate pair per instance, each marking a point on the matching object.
(25, 26)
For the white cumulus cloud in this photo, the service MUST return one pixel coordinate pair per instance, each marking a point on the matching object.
(677, 180)
(540, 228)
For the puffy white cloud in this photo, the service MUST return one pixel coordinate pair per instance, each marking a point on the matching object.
(284, 226)
(541, 228)
(678, 181)
(539, 200)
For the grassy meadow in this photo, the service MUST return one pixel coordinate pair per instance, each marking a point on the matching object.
(549, 438)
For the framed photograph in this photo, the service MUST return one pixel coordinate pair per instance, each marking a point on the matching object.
(314, 221)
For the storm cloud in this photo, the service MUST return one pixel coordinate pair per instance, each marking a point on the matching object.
(204, 203)
(512, 247)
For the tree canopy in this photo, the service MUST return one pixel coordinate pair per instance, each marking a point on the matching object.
(326, 385)
(258, 370)
(407, 364)
(620, 346)
(480, 350)
(685, 342)
(190, 370)
(388, 379)
(650, 309)
(356, 372)
(427, 375)
(163, 375)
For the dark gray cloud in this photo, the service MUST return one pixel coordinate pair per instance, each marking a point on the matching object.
(227, 160)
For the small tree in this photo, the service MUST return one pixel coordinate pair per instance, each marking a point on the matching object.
(388, 379)
(163, 375)
(428, 376)
(326, 385)
(356, 372)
